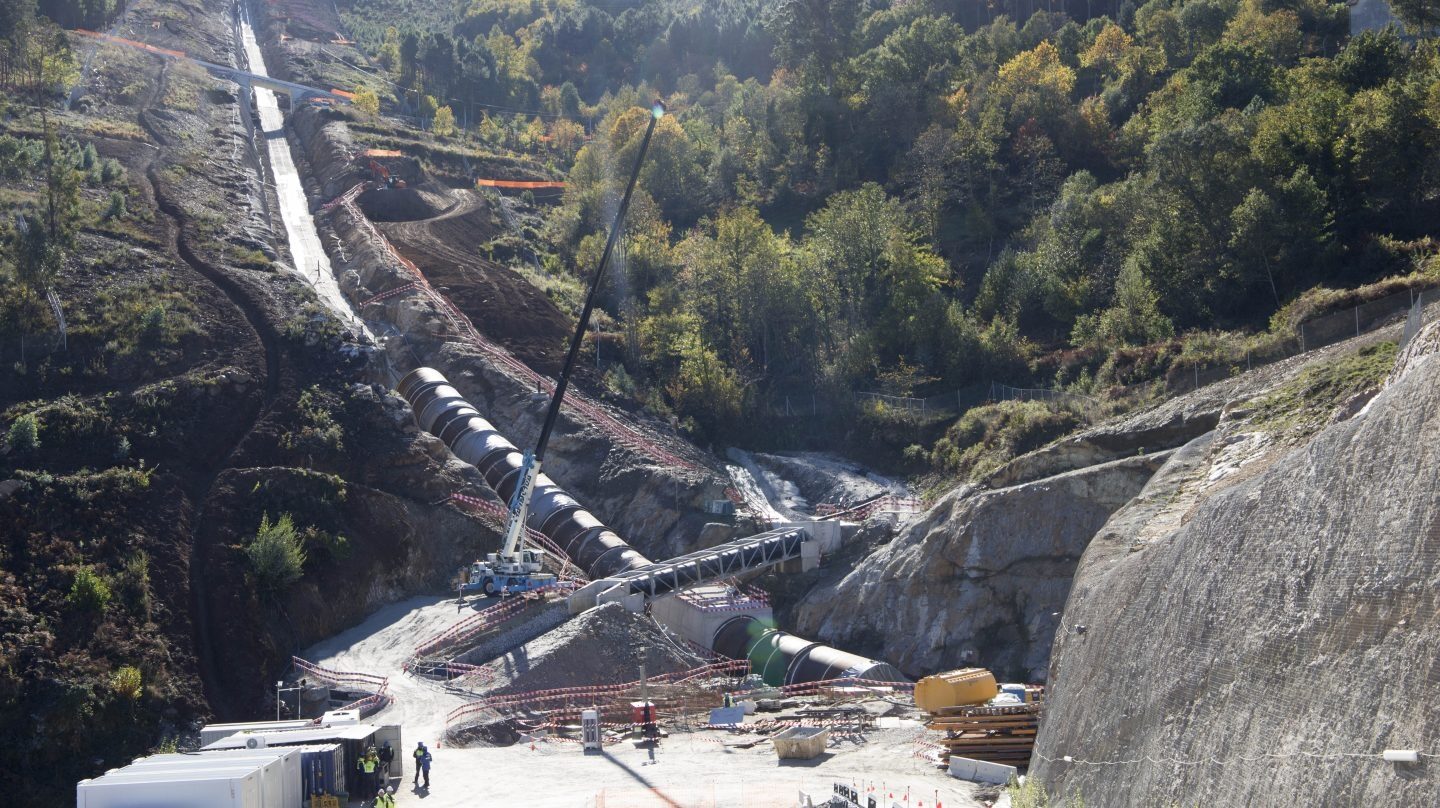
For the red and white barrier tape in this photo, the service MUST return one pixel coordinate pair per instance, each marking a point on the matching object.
(589, 694)
(339, 677)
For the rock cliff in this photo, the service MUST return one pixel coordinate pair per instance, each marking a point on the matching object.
(983, 576)
(979, 578)
(1261, 622)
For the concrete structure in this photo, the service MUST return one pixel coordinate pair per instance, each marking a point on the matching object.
(701, 613)
(981, 771)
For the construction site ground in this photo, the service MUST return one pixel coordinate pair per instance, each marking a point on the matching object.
(695, 767)
(686, 769)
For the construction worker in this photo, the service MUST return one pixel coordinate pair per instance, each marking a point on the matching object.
(386, 798)
(387, 756)
(369, 766)
(422, 763)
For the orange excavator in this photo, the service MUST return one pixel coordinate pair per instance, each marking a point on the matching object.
(383, 177)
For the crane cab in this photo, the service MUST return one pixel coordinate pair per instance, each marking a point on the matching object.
(498, 575)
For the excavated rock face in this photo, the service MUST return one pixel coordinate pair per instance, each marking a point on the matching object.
(1269, 622)
(979, 579)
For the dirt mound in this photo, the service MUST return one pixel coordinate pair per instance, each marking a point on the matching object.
(508, 309)
(606, 645)
(466, 223)
(402, 204)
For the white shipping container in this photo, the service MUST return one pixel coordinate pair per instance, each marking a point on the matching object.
(167, 790)
(289, 757)
(211, 733)
(271, 771)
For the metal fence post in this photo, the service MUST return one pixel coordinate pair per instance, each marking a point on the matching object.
(1357, 321)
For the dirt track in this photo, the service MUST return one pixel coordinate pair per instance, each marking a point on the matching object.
(448, 249)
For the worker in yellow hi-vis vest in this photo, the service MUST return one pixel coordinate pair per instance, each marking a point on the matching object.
(369, 766)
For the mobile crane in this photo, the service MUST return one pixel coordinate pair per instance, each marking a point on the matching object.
(516, 568)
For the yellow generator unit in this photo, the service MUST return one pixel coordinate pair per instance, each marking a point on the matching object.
(955, 688)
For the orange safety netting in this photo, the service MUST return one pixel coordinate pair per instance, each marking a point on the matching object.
(382, 153)
(518, 184)
(342, 93)
(132, 43)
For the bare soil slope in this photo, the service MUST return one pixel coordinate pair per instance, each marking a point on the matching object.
(449, 247)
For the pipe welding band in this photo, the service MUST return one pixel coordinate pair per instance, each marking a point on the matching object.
(452, 423)
(618, 558)
(798, 661)
(418, 380)
(444, 397)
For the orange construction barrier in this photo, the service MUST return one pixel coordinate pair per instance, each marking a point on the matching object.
(518, 184)
(382, 153)
(132, 43)
(342, 93)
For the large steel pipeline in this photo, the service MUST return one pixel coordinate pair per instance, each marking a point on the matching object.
(444, 413)
(779, 657)
(782, 658)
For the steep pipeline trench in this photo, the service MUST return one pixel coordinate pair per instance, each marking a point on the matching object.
(311, 261)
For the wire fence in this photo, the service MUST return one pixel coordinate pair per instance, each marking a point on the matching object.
(1085, 405)
(1315, 333)
(810, 404)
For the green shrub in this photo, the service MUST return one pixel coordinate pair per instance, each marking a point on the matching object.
(88, 591)
(277, 554)
(132, 584)
(111, 171)
(115, 209)
(127, 682)
(318, 429)
(1030, 794)
(332, 546)
(987, 437)
(24, 434)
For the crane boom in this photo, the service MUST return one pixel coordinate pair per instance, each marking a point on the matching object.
(512, 549)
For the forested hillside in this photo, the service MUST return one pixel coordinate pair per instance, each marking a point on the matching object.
(925, 195)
